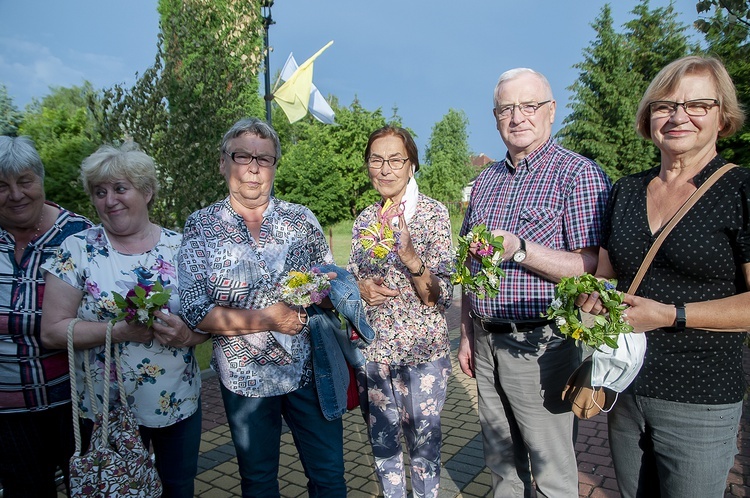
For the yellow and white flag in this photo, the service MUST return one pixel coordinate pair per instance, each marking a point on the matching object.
(298, 94)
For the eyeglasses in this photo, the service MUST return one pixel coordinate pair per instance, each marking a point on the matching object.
(246, 158)
(696, 107)
(526, 108)
(395, 163)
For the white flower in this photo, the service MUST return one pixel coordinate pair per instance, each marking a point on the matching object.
(496, 257)
(560, 321)
(556, 304)
(142, 316)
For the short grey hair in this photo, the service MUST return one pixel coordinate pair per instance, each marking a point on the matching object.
(18, 155)
(125, 162)
(511, 74)
(252, 126)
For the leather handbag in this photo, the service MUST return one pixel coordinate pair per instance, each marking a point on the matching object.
(587, 400)
(116, 463)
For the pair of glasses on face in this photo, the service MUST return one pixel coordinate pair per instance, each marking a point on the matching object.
(245, 158)
(525, 108)
(695, 108)
(395, 163)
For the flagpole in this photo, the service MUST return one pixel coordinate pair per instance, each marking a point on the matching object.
(267, 22)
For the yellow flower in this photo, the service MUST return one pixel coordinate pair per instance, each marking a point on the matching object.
(577, 334)
(298, 279)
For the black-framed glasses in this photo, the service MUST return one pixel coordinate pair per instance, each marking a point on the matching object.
(695, 107)
(245, 158)
(526, 108)
(395, 163)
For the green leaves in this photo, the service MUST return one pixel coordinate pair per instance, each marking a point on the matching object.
(605, 328)
(139, 304)
(490, 249)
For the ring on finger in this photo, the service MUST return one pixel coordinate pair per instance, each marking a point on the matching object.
(299, 317)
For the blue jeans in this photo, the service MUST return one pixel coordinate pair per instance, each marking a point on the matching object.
(669, 449)
(255, 424)
(176, 449)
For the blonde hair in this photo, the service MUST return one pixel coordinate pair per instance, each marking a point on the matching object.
(125, 162)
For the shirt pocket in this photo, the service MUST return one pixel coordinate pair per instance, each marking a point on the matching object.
(539, 224)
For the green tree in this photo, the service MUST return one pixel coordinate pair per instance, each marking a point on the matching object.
(613, 76)
(10, 117)
(447, 163)
(324, 167)
(64, 131)
(731, 44)
(738, 13)
(204, 79)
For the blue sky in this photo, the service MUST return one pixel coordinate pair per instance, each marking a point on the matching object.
(423, 57)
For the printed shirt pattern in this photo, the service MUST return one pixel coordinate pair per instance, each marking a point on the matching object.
(162, 383)
(408, 332)
(554, 197)
(221, 264)
(694, 366)
(31, 376)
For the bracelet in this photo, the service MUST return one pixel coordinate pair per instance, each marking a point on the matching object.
(681, 317)
(418, 273)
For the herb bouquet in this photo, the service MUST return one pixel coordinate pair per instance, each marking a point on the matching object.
(140, 302)
(487, 280)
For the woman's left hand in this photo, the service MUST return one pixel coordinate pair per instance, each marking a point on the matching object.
(170, 330)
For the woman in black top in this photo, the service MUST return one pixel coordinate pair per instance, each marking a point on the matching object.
(673, 431)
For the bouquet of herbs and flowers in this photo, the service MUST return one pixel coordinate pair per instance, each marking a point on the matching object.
(566, 315)
(139, 304)
(305, 288)
(487, 280)
(379, 240)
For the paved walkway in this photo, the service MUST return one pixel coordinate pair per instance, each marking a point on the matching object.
(464, 473)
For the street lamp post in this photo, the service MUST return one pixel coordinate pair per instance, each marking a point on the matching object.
(267, 22)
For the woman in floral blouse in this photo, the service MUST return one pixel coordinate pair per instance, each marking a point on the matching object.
(161, 375)
(402, 257)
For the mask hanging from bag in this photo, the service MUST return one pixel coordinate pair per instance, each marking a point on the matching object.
(616, 369)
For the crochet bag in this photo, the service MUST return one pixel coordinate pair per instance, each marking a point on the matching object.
(117, 463)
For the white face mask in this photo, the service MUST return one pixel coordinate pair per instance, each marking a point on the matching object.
(615, 369)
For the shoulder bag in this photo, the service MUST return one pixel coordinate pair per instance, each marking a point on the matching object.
(588, 401)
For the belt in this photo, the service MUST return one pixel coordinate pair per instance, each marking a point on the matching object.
(497, 326)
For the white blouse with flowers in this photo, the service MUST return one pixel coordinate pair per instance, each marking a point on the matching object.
(162, 383)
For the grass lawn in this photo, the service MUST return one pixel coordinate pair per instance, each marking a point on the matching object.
(340, 239)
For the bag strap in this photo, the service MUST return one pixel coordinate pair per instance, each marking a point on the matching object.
(74, 387)
(672, 222)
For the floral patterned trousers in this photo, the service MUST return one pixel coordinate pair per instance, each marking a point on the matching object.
(404, 400)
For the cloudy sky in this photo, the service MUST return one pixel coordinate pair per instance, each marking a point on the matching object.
(423, 57)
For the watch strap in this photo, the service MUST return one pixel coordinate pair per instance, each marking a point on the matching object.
(420, 272)
(680, 317)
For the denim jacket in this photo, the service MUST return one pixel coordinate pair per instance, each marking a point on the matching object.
(332, 345)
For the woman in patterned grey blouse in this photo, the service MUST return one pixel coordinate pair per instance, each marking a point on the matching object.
(234, 254)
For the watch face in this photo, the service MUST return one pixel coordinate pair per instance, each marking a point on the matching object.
(519, 256)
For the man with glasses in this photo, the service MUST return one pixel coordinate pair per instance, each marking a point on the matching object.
(547, 203)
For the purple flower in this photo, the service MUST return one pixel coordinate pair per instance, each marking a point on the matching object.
(164, 268)
(93, 289)
(608, 285)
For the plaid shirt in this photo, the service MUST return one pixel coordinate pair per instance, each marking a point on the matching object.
(31, 376)
(554, 197)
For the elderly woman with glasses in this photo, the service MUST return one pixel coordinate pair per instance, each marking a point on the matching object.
(35, 423)
(233, 258)
(673, 431)
(402, 257)
(160, 372)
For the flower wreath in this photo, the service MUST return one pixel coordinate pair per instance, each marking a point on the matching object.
(305, 288)
(487, 280)
(566, 315)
